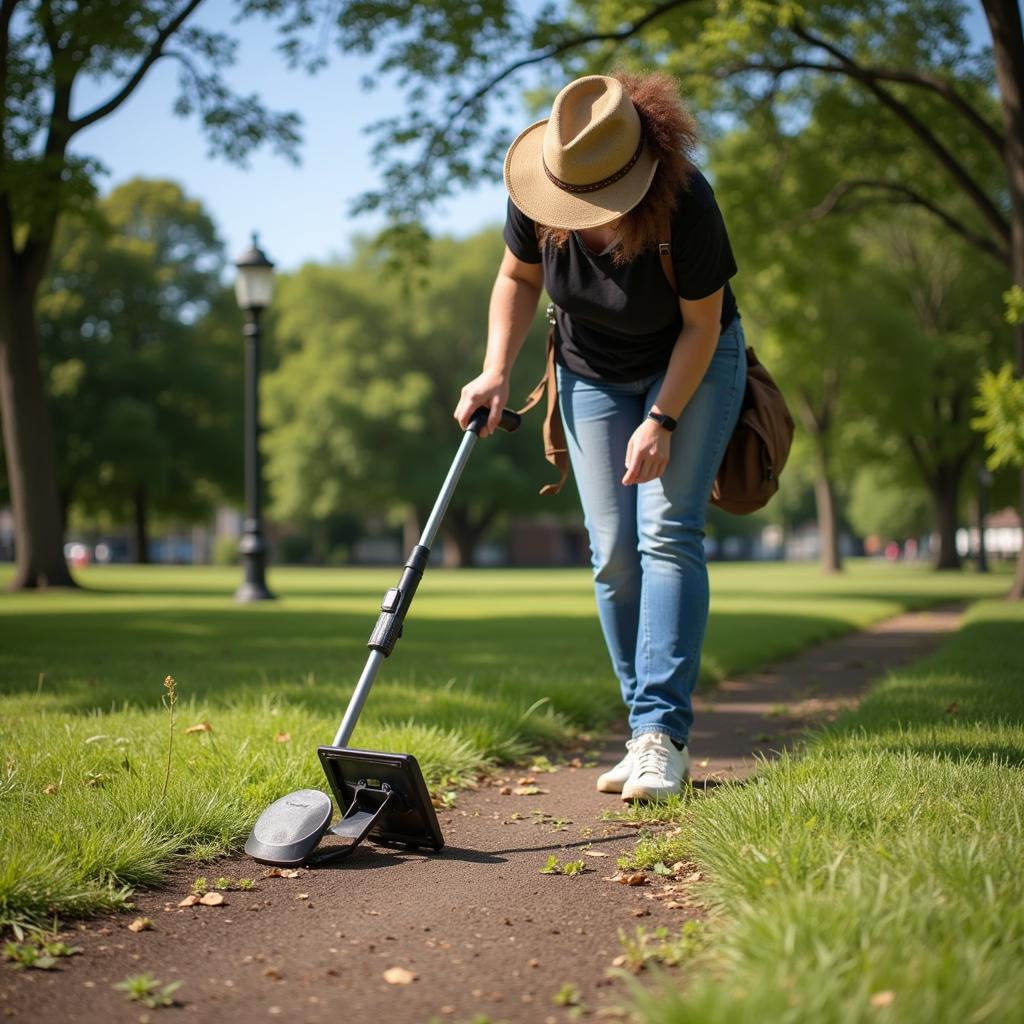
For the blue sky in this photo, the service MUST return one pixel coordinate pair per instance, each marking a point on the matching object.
(302, 213)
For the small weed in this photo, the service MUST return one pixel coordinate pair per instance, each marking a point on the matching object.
(145, 989)
(560, 824)
(37, 953)
(222, 884)
(200, 886)
(245, 884)
(568, 995)
(574, 867)
(551, 867)
(170, 698)
(447, 799)
(662, 869)
(644, 947)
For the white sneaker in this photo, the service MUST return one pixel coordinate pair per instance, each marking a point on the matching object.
(614, 779)
(659, 768)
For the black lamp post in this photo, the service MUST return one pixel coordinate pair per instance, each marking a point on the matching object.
(254, 288)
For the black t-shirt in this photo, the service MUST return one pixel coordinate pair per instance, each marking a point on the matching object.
(620, 323)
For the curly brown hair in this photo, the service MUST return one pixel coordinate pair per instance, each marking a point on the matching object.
(670, 130)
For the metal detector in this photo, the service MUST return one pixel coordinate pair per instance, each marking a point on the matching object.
(381, 796)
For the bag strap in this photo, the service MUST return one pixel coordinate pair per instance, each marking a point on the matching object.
(665, 253)
(556, 449)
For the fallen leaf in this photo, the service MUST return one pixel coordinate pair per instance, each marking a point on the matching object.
(212, 899)
(886, 998)
(399, 976)
(189, 901)
(505, 791)
(202, 726)
(302, 896)
(50, 789)
(674, 905)
(596, 853)
(528, 790)
(282, 873)
(282, 737)
(630, 878)
(526, 780)
(619, 961)
(140, 924)
(272, 972)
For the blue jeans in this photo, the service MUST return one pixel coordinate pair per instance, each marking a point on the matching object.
(646, 540)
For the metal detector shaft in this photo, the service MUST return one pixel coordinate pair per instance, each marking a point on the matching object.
(397, 600)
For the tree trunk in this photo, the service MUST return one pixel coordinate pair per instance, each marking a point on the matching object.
(462, 533)
(28, 444)
(945, 492)
(140, 515)
(1004, 21)
(828, 522)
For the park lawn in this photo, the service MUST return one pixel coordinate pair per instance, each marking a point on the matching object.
(876, 874)
(493, 664)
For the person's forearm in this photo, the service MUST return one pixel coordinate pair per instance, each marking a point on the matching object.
(513, 307)
(690, 360)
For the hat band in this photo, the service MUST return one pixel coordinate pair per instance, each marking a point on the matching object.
(565, 186)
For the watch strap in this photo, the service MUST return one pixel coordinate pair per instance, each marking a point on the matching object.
(666, 421)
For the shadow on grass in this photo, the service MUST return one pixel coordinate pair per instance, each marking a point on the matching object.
(83, 661)
(955, 704)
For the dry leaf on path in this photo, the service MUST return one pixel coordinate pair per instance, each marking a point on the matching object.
(528, 790)
(596, 853)
(202, 726)
(302, 896)
(212, 899)
(526, 780)
(505, 791)
(140, 924)
(399, 976)
(282, 873)
(630, 878)
(189, 901)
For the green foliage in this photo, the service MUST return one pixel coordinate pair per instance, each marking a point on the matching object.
(884, 504)
(144, 393)
(145, 989)
(1014, 299)
(41, 952)
(1000, 400)
(369, 369)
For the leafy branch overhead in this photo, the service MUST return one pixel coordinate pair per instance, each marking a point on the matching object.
(460, 66)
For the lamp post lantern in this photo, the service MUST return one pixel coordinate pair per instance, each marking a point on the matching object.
(254, 288)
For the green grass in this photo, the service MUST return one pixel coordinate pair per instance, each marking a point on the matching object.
(493, 663)
(877, 874)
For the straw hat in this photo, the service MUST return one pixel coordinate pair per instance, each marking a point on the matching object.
(585, 165)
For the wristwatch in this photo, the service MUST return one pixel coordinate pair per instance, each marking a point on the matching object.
(666, 421)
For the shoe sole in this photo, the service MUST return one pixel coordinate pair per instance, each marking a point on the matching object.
(609, 787)
(641, 795)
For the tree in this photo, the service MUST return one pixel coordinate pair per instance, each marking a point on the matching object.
(142, 398)
(359, 408)
(910, 59)
(46, 46)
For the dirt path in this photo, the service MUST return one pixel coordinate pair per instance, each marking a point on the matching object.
(482, 930)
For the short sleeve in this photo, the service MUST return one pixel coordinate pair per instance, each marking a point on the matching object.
(701, 254)
(521, 235)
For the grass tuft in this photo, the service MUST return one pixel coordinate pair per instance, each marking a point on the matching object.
(881, 866)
